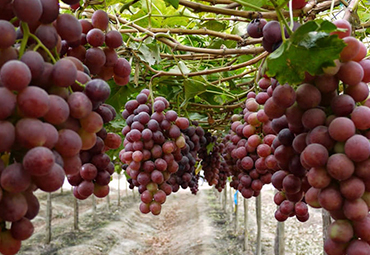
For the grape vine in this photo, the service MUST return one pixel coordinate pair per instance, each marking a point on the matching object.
(53, 110)
(295, 114)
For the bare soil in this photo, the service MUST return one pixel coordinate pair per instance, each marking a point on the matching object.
(187, 225)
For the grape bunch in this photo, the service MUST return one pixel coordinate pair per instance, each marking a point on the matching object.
(289, 176)
(152, 148)
(44, 135)
(187, 175)
(270, 31)
(96, 48)
(216, 170)
(323, 147)
(52, 115)
(249, 146)
(258, 155)
(94, 165)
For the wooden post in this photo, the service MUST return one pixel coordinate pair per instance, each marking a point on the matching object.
(259, 221)
(246, 205)
(224, 201)
(108, 202)
(94, 207)
(48, 218)
(231, 204)
(236, 212)
(326, 221)
(219, 196)
(126, 186)
(75, 214)
(279, 246)
(119, 190)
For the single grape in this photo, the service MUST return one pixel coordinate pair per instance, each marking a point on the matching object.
(15, 75)
(27, 10)
(100, 20)
(48, 35)
(113, 39)
(254, 28)
(122, 67)
(8, 31)
(50, 11)
(64, 73)
(33, 102)
(68, 27)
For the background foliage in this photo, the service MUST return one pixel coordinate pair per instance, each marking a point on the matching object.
(197, 53)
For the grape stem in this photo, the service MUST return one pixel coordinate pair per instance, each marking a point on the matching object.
(209, 71)
(13, 20)
(26, 35)
(178, 46)
(41, 45)
(350, 9)
(181, 31)
(127, 5)
(231, 107)
(178, 64)
(197, 7)
(246, 4)
(258, 75)
(79, 83)
(282, 20)
(151, 89)
(234, 76)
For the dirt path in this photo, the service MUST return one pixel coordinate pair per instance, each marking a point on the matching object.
(187, 225)
(183, 227)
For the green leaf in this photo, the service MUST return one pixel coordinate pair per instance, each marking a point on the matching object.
(138, 16)
(117, 123)
(120, 95)
(167, 88)
(174, 3)
(214, 25)
(311, 43)
(244, 58)
(210, 148)
(255, 4)
(198, 116)
(181, 67)
(150, 53)
(218, 43)
(175, 22)
(192, 88)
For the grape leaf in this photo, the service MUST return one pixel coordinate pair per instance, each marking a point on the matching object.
(309, 49)
(181, 67)
(174, 3)
(120, 94)
(210, 148)
(214, 25)
(192, 88)
(252, 4)
(150, 53)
